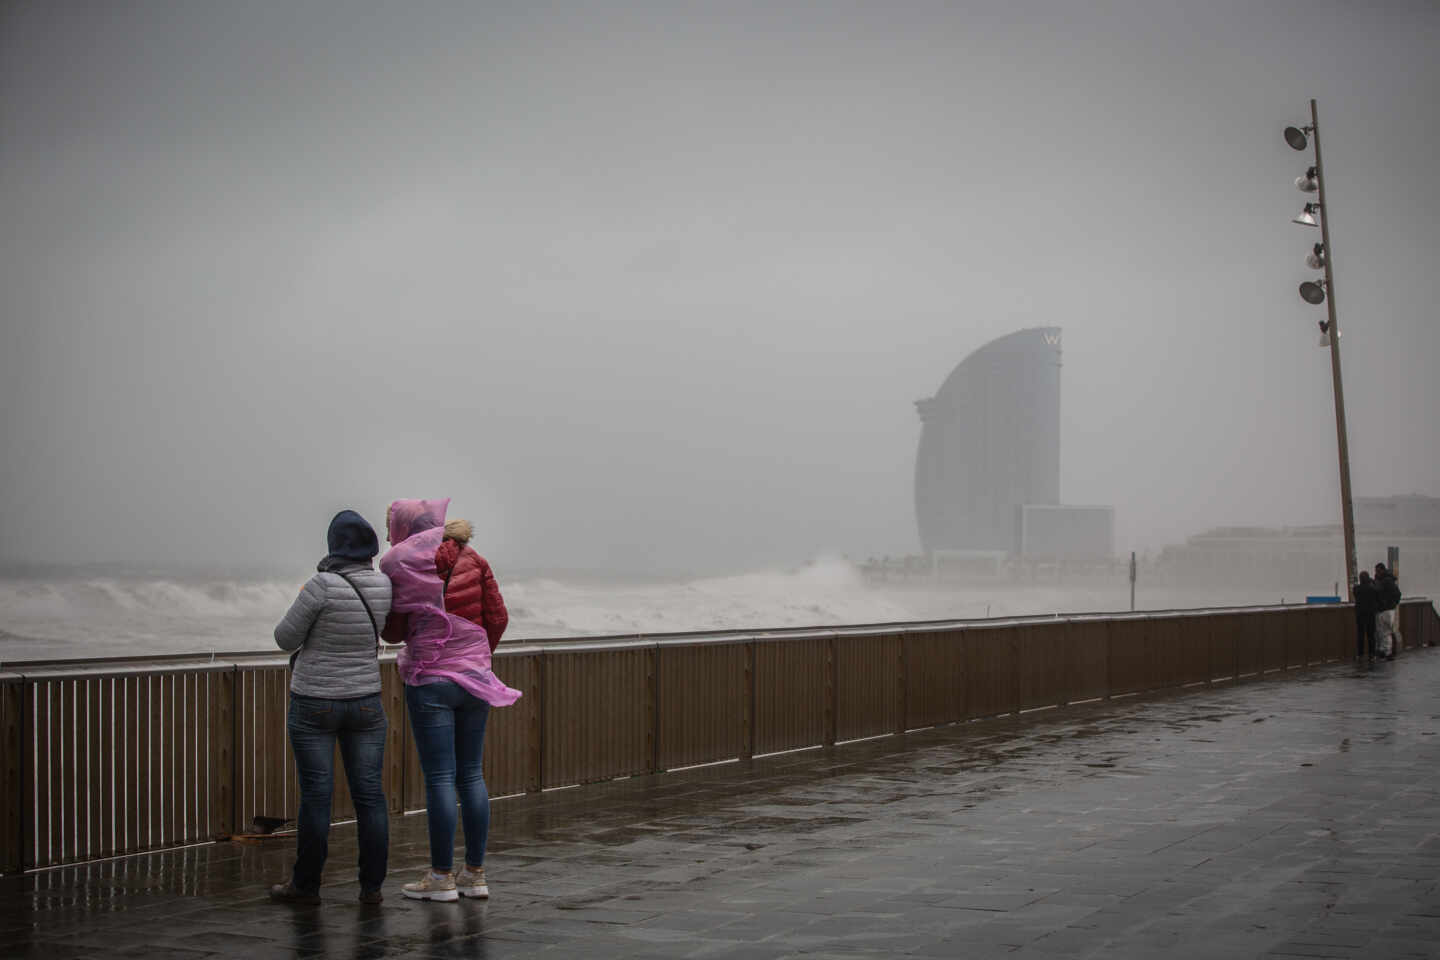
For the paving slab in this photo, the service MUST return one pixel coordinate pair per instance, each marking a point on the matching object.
(1291, 816)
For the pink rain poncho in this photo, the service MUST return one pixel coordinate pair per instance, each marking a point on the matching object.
(439, 646)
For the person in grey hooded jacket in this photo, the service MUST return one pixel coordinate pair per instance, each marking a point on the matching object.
(333, 629)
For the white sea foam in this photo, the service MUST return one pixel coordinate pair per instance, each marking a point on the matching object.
(115, 616)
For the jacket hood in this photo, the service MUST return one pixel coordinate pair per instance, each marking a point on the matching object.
(405, 518)
(351, 537)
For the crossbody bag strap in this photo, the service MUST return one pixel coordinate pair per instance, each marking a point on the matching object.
(364, 603)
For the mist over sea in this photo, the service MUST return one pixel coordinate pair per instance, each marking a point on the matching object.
(61, 614)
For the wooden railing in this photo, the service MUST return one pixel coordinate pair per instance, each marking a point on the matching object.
(110, 757)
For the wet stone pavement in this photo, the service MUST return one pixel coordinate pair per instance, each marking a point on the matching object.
(1280, 818)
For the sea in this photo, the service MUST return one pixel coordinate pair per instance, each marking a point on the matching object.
(80, 614)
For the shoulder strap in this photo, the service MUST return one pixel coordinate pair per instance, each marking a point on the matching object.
(364, 603)
(445, 587)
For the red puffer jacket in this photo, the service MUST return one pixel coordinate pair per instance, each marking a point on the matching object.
(472, 592)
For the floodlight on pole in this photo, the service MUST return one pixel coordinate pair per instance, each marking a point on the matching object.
(1306, 183)
(1295, 136)
(1313, 292)
(1306, 217)
(1315, 259)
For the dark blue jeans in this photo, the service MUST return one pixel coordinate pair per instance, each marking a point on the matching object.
(1365, 636)
(315, 725)
(449, 726)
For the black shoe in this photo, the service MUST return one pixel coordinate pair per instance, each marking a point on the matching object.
(287, 892)
(371, 898)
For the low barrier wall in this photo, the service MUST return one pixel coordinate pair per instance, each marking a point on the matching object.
(103, 758)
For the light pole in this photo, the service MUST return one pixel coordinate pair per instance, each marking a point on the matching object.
(1313, 181)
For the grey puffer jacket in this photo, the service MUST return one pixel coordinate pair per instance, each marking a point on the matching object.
(327, 623)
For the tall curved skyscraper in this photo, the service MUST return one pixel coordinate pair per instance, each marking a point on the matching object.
(990, 444)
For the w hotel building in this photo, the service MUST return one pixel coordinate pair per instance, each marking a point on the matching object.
(987, 473)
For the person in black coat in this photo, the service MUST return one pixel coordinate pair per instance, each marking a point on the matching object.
(1367, 604)
(1387, 588)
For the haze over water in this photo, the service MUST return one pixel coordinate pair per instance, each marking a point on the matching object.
(649, 290)
(125, 616)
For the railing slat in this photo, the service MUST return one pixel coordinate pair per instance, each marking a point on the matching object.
(60, 763)
(175, 757)
(869, 690)
(96, 844)
(991, 671)
(144, 772)
(109, 796)
(12, 781)
(414, 778)
(134, 751)
(598, 717)
(791, 678)
(700, 687)
(39, 851)
(197, 772)
(392, 693)
(222, 753)
(246, 750)
(511, 734)
(277, 759)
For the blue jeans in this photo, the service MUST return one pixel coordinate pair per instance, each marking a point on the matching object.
(315, 724)
(449, 727)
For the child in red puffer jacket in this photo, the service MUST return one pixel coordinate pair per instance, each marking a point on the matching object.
(470, 588)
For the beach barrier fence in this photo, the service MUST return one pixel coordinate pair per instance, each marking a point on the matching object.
(103, 758)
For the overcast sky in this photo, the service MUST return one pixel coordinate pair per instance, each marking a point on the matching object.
(654, 286)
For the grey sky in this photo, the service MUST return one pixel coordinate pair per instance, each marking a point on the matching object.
(653, 286)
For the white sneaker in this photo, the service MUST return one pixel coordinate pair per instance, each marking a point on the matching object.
(431, 887)
(472, 883)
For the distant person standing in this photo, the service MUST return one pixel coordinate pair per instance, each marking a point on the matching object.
(1387, 627)
(1367, 605)
(334, 629)
(449, 686)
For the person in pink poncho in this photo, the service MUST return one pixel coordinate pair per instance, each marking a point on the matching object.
(449, 690)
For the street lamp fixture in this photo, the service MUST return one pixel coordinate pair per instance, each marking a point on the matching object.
(1323, 291)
